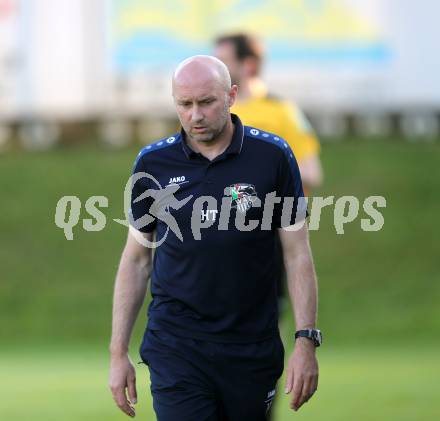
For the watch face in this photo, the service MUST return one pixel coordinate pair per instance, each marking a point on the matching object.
(318, 337)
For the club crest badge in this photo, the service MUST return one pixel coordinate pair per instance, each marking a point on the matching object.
(243, 195)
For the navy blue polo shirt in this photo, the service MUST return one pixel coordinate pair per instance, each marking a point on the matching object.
(217, 282)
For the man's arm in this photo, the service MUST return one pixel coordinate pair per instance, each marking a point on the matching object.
(311, 171)
(302, 370)
(130, 288)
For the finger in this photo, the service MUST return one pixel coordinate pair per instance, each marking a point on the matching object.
(309, 389)
(125, 407)
(297, 390)
(131, 388)
(305, 393)
(315, 384)
(289, 381)
(121, 400)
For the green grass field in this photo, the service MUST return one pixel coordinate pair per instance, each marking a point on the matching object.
(69, 384)
(379, 291)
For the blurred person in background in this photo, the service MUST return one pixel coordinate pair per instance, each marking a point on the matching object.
(243, 54)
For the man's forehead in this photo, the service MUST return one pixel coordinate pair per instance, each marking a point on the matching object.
(194, 96)
(196, 89)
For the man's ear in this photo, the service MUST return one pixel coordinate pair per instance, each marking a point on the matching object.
(233, 95)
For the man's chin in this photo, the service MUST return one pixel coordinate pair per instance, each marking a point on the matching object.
(202, 137)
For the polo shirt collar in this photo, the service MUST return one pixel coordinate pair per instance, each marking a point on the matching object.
(234, 147)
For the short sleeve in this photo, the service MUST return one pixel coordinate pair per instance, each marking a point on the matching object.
(293, 205)
(140, 199)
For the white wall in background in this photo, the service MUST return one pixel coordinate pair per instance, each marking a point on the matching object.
(56, 59)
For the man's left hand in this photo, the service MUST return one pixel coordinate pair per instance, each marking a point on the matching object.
(302, 373)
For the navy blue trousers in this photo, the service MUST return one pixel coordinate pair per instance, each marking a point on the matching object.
(194, 380)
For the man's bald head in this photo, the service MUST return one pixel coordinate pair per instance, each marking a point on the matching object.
(203, 94)
(203, 69)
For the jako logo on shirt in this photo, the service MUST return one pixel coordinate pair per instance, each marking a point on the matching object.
(177, 180)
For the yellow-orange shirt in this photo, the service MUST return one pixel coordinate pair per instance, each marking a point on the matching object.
(281, 118)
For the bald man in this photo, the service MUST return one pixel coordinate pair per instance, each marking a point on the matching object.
(212, 343)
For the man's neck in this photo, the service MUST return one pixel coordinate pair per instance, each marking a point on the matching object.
(216, 146)
(251, 87)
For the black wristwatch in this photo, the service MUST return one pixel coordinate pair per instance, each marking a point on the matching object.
(314, 335)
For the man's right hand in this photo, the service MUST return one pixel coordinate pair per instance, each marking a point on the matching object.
(122, 383)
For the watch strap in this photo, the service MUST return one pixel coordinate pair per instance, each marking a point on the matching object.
(312, 334)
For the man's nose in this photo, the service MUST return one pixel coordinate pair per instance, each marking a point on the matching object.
(196, 115)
